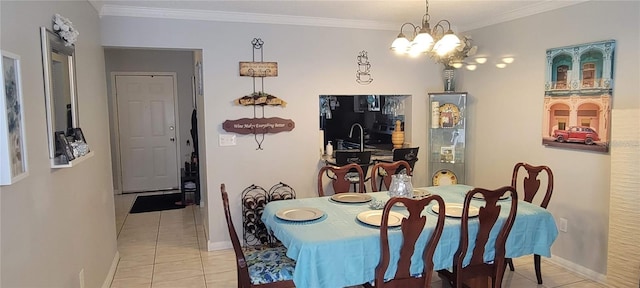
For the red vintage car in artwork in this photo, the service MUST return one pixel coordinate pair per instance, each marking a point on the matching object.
(577, 134)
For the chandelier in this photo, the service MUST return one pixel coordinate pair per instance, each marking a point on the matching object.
(423, 38)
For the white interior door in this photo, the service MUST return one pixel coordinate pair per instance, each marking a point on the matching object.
(147, 132)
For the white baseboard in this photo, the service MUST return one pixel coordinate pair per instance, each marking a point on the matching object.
(212, 246)
(112, 271)
(588, 273)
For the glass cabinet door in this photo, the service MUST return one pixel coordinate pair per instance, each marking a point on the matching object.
(447, 138)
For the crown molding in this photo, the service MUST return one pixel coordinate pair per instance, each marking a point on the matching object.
(222, 16)
(259, 18)
(530, 10)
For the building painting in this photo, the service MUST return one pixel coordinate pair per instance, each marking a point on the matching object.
(578, 90)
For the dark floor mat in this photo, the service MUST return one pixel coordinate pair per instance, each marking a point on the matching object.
(157, 203)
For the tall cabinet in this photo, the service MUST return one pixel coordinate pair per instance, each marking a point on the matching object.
(447, 129)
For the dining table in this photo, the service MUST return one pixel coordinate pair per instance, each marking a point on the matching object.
(335, 244)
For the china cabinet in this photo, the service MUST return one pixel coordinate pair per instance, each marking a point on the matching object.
(447, 138)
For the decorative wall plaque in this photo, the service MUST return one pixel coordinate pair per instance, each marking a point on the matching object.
(363, 75)
(258, 99)
(259, 69)
(258, 125)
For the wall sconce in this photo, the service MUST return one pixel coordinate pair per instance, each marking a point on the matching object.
(423, 38)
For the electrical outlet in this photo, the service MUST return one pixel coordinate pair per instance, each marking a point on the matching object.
(562, 225)
(227, 140)
(81, 278)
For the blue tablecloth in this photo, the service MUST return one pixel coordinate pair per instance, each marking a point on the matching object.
(337, 250)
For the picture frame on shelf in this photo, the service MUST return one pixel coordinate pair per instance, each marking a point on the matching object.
(78, 135)
(13, 150)
(447, 154)
(63, 146)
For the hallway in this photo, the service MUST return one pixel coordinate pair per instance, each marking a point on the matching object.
(167, 249)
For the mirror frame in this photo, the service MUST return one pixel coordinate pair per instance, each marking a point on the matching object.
(51, 43)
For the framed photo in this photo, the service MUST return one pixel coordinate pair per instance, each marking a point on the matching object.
(63, 147)
(13, 151)
(448, 154)
(78, 135)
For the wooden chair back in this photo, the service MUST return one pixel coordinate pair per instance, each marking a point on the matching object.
(411, 228)
(487, 219)
(385, 170)
(338, 178)
(531, 183)
(241, 264)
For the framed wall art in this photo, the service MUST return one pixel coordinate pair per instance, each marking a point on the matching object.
(13, 152)
(577, 99)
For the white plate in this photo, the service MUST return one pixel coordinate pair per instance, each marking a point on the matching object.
(455, 210)
(351, 197)
(299, 214)
(444, 177)
(374, 218)
(420, 193)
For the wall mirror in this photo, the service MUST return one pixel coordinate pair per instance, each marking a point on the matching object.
(60, 87)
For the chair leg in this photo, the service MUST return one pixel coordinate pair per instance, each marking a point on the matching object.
(536, 263)
(510, 263)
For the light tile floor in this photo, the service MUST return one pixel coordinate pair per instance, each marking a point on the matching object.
(168, 249)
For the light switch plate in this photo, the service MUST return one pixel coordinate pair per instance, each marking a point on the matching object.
(227, 140)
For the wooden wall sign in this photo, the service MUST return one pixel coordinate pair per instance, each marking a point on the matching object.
(259, 69)
(258, 125)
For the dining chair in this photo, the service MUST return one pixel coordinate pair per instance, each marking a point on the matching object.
(362, 158)
(487, 219)
(530, 185)
(384, 171)
(407, 154)
(411, 229)
(252, 271)
(339, 179)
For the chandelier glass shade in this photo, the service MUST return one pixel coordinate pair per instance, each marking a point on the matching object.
(426, 40)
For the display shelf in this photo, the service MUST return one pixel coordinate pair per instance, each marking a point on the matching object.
(55, 161)
(447, 137)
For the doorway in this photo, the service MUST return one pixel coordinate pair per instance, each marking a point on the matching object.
(135, 61)
(147, 130)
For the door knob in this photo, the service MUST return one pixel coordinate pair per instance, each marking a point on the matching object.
(172, 139)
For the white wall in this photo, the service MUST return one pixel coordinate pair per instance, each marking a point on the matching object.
(506, 108)
(311, 61)
(144, 60)
(58, 221)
